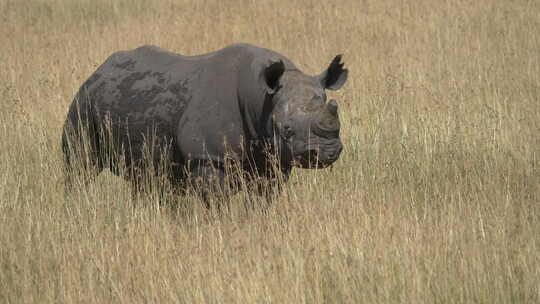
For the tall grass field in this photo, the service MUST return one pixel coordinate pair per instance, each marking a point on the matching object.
(435, 198)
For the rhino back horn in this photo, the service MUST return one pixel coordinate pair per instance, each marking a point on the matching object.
(332, 107)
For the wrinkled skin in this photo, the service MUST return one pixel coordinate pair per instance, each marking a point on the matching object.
(150, 108)
(309, 131)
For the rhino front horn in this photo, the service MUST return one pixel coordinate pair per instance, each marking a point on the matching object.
(332, 107)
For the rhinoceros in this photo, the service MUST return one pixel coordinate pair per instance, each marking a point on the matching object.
(150, 107)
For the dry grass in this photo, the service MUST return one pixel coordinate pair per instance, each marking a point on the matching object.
(434, 200)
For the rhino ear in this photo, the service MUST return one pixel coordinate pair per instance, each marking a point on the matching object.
(271, 75)
(335, 76)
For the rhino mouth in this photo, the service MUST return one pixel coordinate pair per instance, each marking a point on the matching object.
(311, 159)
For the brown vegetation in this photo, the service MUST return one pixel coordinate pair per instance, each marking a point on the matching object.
(435, 198)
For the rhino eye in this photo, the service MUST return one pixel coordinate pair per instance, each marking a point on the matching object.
(288, 132)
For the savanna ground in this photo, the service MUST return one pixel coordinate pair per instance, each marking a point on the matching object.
(435, 198)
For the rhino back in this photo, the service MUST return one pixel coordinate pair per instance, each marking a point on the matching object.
(135, 96)
(150, 91)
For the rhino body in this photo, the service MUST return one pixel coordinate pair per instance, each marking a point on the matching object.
(149, 107)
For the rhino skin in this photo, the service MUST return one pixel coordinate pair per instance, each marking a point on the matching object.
(152, 108)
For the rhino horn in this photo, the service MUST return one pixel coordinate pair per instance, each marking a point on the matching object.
(332, 106)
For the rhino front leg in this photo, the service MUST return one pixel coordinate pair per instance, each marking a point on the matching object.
(266, 190)
(207, 179)
(260, 195)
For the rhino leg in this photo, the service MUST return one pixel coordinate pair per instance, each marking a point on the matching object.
(266, 189)
(80, 146)
(207, 179)
(262, 194)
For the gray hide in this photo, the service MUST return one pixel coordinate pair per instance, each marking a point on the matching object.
(193, 114)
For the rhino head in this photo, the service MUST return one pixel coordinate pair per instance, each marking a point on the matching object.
(306, 123)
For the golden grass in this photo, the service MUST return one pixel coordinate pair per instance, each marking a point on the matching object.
(434, 200)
